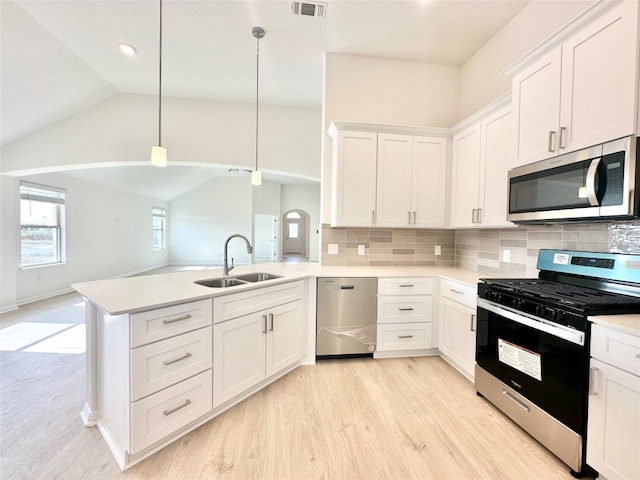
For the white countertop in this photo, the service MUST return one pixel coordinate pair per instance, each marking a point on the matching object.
(625, 323)
(134, 294)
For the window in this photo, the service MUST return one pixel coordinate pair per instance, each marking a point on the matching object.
(159, 228)
(293, 230)
(41, 225)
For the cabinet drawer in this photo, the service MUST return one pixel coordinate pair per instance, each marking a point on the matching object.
(619, 349)
(156, 366)
(154, 325)
(155, 417)
(459, 292)
(405, 286)
(405, 309)
(244, 303)
(403, 336)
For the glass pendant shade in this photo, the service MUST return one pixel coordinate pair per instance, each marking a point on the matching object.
(256, 177)
(158, 156)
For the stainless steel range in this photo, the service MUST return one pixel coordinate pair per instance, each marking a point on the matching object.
(532, 342)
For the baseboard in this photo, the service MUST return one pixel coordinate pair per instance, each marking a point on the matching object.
(44, 296)
(8, 308)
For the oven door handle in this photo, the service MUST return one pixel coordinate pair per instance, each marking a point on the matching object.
(573, 336)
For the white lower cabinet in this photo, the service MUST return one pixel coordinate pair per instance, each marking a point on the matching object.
(613, 429)
(457, 326)
(251, 348)
(405, 317)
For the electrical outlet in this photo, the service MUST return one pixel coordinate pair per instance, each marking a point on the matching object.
(332, 249)
(360, 249)
(438, 250)
(506, 255)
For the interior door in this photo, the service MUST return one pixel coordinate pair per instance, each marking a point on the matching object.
(293, 234)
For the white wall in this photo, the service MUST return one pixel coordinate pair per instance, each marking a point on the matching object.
(307, 198)
(9, 241)
(201, 220)
(123, 128)
(481, 79)
(108, 234)
(377, 90)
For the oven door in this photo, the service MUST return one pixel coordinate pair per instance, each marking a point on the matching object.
(545, 363)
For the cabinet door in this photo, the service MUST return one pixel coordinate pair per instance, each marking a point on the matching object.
(536, 108)
(238, 355)
(496, 154)
(353, 200)
(284, 337)
(613, 429)
(465, 177)
(599, 71)
(428, 187)
(394, 181)
(457, 336)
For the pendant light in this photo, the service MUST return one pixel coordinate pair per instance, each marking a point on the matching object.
(258, 33)
(158, 152)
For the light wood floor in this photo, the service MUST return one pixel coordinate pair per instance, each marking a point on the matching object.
(413, 418)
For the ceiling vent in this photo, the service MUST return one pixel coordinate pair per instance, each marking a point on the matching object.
(309, 9)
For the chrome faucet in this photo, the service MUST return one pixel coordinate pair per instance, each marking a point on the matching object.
(226, 268)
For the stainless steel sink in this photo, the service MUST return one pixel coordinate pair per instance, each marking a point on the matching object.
(223, 282)
(257, 277)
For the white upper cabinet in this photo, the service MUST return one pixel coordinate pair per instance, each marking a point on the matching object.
(387, 179)
(579, 88)
(482, 155)
(353, 190)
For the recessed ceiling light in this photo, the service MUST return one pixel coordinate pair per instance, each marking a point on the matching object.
(127, 49)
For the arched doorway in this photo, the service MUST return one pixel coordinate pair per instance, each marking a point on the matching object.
(295, 244)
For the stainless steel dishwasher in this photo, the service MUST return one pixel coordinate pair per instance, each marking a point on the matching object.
(346, 317)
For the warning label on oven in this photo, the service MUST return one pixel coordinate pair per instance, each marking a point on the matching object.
(520, 358)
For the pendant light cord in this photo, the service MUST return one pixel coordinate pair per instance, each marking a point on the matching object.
(257, 93)
(160, 83)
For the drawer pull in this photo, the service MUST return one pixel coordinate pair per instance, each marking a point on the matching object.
(174, 410)
(516, 401)
(271, 321)
(592, 381)
(264, 319)
(173, 320)
(472, 327)
(637, 355)
(407, 309)
(456, 291)
(184, 357)
(405, 336)
(406, 285)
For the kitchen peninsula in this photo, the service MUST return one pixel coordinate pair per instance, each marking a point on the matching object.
(165, 354)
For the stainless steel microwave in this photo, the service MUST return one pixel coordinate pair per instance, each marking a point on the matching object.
(597, 183)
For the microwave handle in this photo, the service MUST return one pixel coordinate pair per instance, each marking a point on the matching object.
(591, 182)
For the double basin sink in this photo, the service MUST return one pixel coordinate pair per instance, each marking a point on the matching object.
(222, 282)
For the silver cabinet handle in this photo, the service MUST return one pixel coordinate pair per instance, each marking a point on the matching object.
(414, 217)
(592, 381)
(406, 309)
(406, 285)
(456, 291)
(271, 321)
(405, 336)
(516, 401)
(472, 327)
(561, 144)
(409, 218)
(373, 217)
(184, 357)
(264, 318)
(637, 355)
(174, 410)
(474, 212)
(179, 319)
(479, 217)
(550, 147)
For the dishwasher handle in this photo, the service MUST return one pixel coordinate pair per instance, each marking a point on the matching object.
(346, 287)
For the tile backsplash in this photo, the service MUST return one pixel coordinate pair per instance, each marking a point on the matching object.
(480, 250)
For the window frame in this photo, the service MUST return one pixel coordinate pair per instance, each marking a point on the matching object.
(52, 196)
(161, 213)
